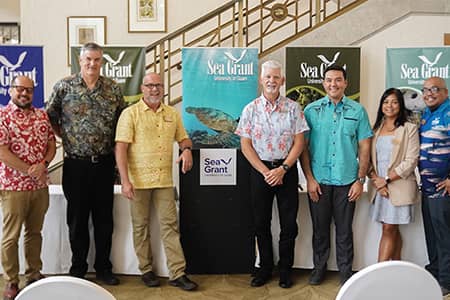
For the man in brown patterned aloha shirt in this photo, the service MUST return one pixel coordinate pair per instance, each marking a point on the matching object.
(83, 110)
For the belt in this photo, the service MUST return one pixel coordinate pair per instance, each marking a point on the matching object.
(274, 163)
(95, 159)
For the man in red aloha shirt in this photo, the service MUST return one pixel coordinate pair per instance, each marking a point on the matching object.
(27, 145)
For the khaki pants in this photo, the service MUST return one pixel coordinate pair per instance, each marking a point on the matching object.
(28, 208)
(164, 201)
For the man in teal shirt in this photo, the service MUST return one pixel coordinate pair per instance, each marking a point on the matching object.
(335, 164)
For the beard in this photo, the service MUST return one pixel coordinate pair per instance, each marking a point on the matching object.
(154, 100)
(26, 105)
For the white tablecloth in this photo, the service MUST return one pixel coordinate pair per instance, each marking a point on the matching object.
(366, 234)
(56, 252)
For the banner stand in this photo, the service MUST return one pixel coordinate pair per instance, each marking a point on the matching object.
(216, 222)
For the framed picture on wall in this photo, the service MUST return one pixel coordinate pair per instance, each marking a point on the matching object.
(146, 15)
(9, 33)
(81, 30)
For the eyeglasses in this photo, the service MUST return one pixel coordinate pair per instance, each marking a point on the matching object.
(433, 89)
(20, 89)
(153, 85)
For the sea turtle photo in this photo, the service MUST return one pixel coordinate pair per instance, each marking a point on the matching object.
(220, 122)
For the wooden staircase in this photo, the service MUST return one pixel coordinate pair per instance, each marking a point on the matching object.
(267, 25)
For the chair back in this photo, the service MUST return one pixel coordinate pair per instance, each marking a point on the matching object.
(64, 288)
(391, 280)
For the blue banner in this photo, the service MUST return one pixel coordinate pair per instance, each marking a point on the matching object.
(217, 84)
(22, 60)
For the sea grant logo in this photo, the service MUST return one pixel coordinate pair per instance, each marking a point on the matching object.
(217, 166)
(114, 69)
(305, 68)
(21, 61)
(125, 65)
(8, 69)
(314, 73)
(412, 66)
(427, 69)
(231, 67)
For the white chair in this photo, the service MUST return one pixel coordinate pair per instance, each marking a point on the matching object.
(391, 280)
(64, 288)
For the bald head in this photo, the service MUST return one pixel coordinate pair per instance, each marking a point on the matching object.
(435, 92)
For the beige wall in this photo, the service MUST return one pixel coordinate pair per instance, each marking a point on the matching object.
(9, 11)
(44, 23)
(413, 31)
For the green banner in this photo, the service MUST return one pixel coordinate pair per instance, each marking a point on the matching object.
(407, 69)
(305, 67)
(126, 65)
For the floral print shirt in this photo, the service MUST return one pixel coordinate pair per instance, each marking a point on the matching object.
(27, 134)
(87, 118)
(272, 127)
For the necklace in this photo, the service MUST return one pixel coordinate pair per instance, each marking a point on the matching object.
(390, 130)
(388, 126)
(385, 127)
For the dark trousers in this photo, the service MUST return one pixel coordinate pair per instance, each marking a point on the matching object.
(436, 221)
(333, 203)
(89, 190)
(262, 196)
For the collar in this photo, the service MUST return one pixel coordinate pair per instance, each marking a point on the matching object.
(444, 106)
(145, 107)
(267, 103)
(79, 80)
(14, 107)
(326, 100)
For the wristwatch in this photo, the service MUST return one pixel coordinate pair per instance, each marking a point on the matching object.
(362, 180)
(285, 167)
(186, 148)
(388, 180)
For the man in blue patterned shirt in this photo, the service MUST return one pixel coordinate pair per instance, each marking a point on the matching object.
(84, 109)
(434, 166)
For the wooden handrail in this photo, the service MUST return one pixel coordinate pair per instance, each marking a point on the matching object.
(194, 24)
(246, 26)
(245, 23)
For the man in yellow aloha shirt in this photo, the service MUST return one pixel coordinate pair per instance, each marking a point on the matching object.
(144, 149)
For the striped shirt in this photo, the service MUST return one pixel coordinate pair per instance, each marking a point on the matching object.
(434, 162)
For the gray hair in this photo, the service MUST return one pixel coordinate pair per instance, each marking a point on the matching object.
(271, 64)
(91, 46)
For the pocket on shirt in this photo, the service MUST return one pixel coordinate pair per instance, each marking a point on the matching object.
(350, 126)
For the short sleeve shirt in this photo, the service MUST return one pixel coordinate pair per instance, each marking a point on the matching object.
(87, 117)
(271, 128)
(27, 134)
(335, 131)
(150, 135)
(434, 161)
